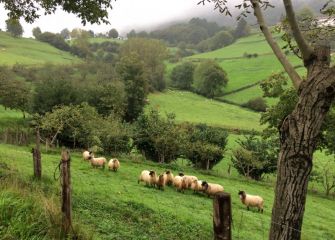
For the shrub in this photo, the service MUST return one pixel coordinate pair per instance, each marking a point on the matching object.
(258, 104)
(255, 156)
(206, 145)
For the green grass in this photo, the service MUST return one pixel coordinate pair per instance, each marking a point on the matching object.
(101, 40)
(29, 51)
(114, 206)
(10, 118)
(193, 108)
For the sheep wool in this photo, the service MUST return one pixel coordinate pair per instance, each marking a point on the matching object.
(161, 181)
(188, 179)
(148, 177)
(211, 188)
(114, 164)
(178, 183)
(251, 200)
(169, 178)
(98, 162)
(196, 185)
(87, 155)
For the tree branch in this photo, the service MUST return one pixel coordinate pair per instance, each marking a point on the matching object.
(294, 76)
(307, 51)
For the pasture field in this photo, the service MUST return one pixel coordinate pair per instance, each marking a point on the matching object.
(10, 118)
(193, 108)
(101, 40)
(114, 206)
(29, 51)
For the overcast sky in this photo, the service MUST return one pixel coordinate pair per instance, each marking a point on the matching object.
(125, 15)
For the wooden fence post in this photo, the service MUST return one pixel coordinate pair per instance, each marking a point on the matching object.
(222, 216)
(66, 191)
(37, 156)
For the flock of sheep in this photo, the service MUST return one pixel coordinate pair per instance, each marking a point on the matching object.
(181, 182)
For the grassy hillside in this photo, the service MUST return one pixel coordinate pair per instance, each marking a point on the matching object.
(194, 108)
(114, 206)
(31, 52)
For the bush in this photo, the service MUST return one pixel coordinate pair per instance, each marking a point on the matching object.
(182, 76)
(255, 156)
(158, 138)
(257, 104)
(206, 146)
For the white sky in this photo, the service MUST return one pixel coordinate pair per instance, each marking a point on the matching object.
(125, 15)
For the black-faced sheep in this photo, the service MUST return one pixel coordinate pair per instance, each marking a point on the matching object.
(251, 200)
(98, 162)
(148, 177)
(188, 179)
(88, 155)
(114, 164)
(211, 188)
(196, 186)
(179, 184)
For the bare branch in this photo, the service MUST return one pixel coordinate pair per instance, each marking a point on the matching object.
(294, 76)
(306, 50)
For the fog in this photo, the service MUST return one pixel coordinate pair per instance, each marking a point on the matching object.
(142, 15)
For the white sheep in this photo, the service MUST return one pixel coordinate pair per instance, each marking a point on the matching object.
(148, 177)
(251, 200)
(169, 177)
(87, 155)
(179, 183)
(188, 179)
(161, 181)
(98, 162)
(196, 185)
(211, 188)
(114, 164)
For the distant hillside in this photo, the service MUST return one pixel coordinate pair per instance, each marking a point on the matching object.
(31, 52)
(193, 108)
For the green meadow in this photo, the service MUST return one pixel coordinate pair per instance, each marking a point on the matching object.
(190, 107)
(113, 205)
(29, 51)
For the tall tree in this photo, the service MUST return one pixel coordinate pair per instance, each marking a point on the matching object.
(36, 32)
(65, 33)
(113, 33)
(242, 29)
(14, 27)
(298, 130)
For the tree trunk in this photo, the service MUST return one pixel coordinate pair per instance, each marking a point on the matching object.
(298, 135)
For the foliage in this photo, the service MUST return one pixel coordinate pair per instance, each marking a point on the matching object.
(65, 33)
(325, 174)
(131, 70)
(36, 32)
(81, 46)
(53, 89)
(273, 86)
(88, 11)
(14, 27)
(113, 33)
(209, 79)
(14, 93)
(205, 146)
(53, 39)
(158, 138)
(255, 156)
(257, 104)
(242, 29)
(182, 76)
(152, 53)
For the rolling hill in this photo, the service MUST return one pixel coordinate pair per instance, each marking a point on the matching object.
(29, 51)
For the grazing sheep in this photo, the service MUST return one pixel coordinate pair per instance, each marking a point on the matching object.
(196, 186)
(161, 181)
(178, 183)
(251, 200)
(169, 178)
(114, 164)
(98, 162)
(211, 188)
(149, 177)
(188, 179)
(87, 155)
